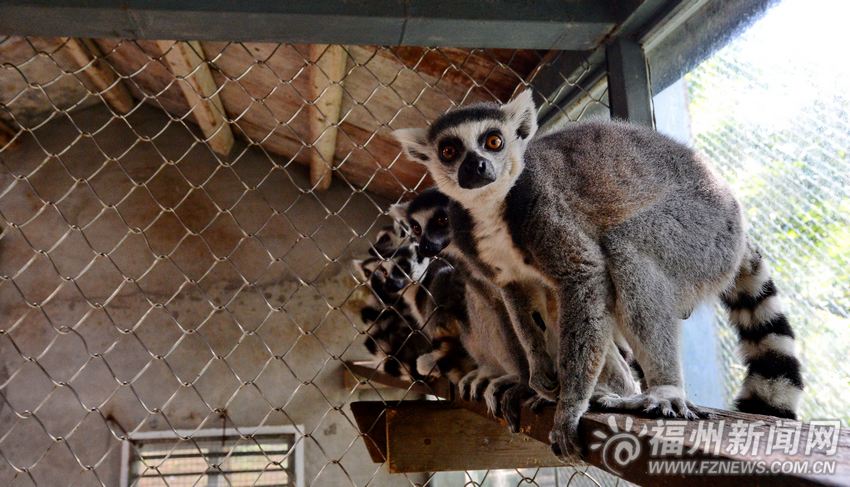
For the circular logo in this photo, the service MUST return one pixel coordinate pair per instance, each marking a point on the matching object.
(619, 448)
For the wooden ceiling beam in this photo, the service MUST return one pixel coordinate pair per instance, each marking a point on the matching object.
(186, 61)
(325, 94)
(102, 77)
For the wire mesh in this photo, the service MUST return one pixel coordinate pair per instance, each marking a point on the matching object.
(774, 121)
(153, 278)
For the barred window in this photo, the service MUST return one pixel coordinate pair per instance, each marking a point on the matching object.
(271, 457)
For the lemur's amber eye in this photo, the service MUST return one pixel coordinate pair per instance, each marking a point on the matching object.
(493, 142)
(448, 153)
(417, 230)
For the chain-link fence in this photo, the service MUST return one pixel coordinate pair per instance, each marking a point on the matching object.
(170, 296)
(773, 118)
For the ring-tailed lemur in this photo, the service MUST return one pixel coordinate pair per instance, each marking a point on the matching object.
(501, 376)
(631, 229)
(392, 334)
(441, 226)
(414, 299)
(439, 299)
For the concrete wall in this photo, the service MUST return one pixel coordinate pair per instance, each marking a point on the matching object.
(147, 284)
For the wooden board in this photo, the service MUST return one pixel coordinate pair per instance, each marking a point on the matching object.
(371, 420)
(6, 134)
(436, 436)
(596, 425)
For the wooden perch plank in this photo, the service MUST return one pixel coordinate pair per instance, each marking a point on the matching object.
(86, 55)
(352, 381)
(326, 93)
(436, 436)
(537, 426)
(366, 375)
(371, 420)
(196, 81)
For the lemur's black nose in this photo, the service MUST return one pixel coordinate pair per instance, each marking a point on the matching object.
(394, 285)
(475, 171)
(429, 248)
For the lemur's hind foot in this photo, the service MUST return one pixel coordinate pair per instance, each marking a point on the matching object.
(659, 401)
(494, 392)
(511, 404)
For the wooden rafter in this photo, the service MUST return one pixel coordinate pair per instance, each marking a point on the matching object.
(86, 55)
(185, 59)
(326, 92)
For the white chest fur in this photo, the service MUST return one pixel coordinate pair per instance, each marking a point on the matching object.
(496, 248)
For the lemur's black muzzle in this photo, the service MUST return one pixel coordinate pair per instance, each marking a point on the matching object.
(394, 285)
(475, 172)
(429, 248)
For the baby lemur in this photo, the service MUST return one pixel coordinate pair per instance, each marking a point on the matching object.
(441, 301)
(392, 336)
(441, 226)
(415, 311)
(630, 230)
(501, 373)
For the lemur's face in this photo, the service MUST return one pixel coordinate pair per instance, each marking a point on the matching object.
(469, 149)
(388, 277)
(428, 219)
(379, 274)
(431, 228)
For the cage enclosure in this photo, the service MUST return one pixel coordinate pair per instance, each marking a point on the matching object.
(183, 188)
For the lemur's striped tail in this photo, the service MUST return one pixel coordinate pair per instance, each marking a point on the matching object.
(447, 359)
(773, 384)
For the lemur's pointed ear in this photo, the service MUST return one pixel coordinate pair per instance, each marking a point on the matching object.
(414, 142)
(522, 112)
(398, 211)
(386, 243)
(361, 272)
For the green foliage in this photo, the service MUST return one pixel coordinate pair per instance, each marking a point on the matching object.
(788, 161)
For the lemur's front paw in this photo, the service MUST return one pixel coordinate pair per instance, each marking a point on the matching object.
(544, 381)
(464, 387)
(495, 392)
(659, 401)
(479, 385)
(426, 365)
(564, 438)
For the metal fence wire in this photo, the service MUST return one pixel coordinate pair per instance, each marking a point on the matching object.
(155, 276)
(775, 124)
